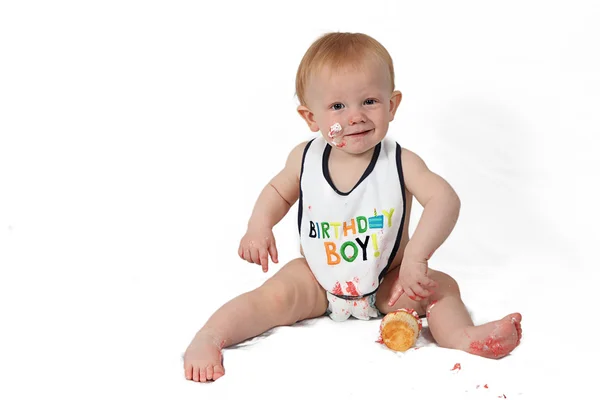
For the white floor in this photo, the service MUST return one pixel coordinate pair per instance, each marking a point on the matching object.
(133, 146)
(82, 322)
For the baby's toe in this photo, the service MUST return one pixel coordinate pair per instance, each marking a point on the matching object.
(516, 318)
(218, 372)
(517, 323)
(195, 373)
(209, 372)
(202, 374)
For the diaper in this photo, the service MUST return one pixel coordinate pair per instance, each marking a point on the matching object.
(341, 309)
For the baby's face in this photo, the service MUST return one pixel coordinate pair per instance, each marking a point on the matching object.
(360, 100)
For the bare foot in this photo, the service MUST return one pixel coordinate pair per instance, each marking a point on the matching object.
(203, 360)
(495, 339)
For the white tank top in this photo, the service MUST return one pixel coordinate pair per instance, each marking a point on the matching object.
(350, 239)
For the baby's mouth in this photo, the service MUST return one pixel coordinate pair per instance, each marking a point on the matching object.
(359, 133)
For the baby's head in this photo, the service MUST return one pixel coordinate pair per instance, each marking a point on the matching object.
(346, 80)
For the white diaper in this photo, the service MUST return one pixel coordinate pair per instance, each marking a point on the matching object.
(341, 309)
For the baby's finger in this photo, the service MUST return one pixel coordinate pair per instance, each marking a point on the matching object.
(397, 291)
(255, 257)
(417, 298)
(246, 255)
(273, 252)
(264, 258)
(428, 282)
(419, 291)
(410, 293)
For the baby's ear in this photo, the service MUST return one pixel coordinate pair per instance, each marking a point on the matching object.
(394, 103)
(309, 117)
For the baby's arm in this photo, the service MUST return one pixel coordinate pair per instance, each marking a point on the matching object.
(280, 194)
(441, 207)
(273, 203)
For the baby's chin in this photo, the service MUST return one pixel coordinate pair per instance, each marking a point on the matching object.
(356, 144)
(355, 150)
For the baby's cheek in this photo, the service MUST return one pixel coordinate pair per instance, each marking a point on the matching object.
(335, 134)
(335, 130)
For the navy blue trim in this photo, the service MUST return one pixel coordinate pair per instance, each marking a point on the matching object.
(300, 186)
(400, 230)
(398, 235)
(346, 297)
(367, 172)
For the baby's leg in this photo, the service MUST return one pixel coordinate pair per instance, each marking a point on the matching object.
(450, 323)
(291, 295)
(452, 327)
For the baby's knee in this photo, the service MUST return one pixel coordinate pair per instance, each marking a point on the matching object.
(277, 295)
(445, 282)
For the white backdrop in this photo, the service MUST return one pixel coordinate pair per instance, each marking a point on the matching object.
(135, 137)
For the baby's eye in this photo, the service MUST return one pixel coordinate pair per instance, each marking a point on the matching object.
(337, 106)
(370, 102)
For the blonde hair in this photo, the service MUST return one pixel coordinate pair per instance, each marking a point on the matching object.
(340, 49)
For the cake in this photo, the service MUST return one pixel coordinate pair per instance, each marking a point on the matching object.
(400, 329)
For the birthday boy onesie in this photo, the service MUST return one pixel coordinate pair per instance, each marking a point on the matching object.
(350, 239)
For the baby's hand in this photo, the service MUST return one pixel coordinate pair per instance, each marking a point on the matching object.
(412, 280)
(256, 245)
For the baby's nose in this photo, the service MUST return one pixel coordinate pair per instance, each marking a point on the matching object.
(357, 118)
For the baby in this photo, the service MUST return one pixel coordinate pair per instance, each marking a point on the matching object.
(355, 188)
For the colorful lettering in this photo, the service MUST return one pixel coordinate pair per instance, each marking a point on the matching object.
(375, 245)
(363, 246)
(351, 227)
(343, 251)
(325, 229)
(312, 232)
(349, 249)
(336, 225)
(389, 216)
(333, 258)
(362, 224)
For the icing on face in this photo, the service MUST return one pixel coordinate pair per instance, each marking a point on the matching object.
(334, 133)
(334, 130)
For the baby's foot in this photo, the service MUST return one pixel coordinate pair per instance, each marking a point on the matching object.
(203, 360)
(495, 339)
